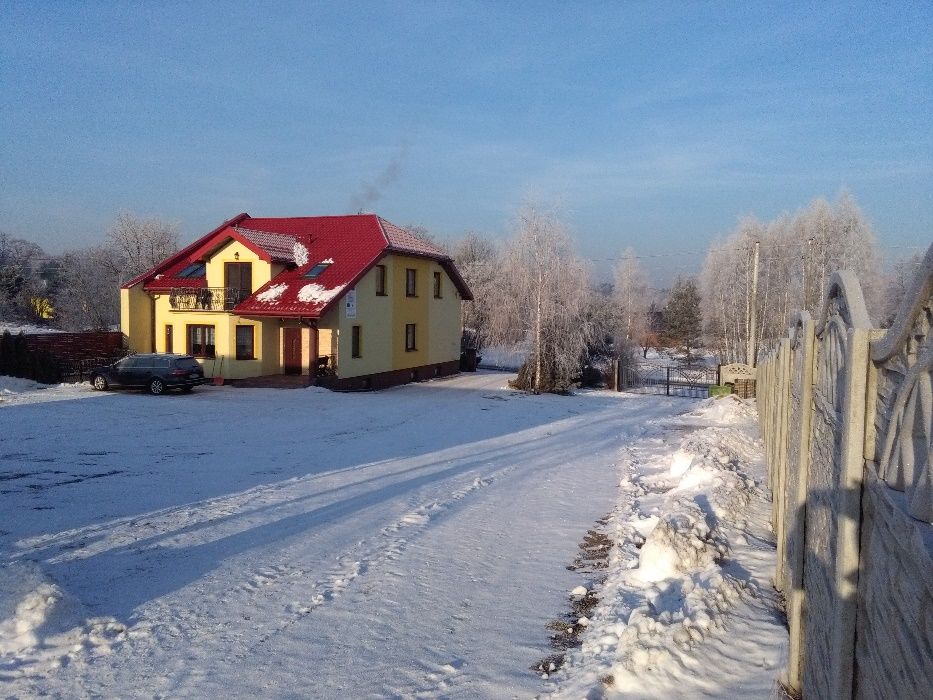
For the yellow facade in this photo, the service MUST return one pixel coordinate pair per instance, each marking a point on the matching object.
(145, 318)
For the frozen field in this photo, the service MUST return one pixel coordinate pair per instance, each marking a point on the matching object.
(407, 543)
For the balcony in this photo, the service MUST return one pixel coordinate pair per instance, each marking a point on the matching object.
(206, 298)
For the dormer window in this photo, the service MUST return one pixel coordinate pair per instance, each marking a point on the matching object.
(193, 270)
(318, 269)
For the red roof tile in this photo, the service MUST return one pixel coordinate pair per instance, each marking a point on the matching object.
(352, 244)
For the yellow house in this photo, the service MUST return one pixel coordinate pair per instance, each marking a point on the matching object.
(352, 302)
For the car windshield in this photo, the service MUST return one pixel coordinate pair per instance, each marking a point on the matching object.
(187, 363)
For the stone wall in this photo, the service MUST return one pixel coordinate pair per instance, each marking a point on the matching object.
(846, 413)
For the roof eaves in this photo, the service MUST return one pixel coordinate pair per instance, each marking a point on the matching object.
(172, 259)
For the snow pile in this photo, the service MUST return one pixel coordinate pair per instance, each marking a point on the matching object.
(17, 385)
(275, 291)
(316, 293)
(42, 627)
(686, 598)
(300, 253)
(14, 391)
(25, 328)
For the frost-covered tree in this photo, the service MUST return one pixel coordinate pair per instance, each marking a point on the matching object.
(897, 283)
(631, 304)
(88, 290)
(477, 259)
(20, 282)
(544, 297)
(135, 245)
(797, 253)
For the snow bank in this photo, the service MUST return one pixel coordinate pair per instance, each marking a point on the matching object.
(42, 627)
(507, 357)
(686, 603)
(14, 390)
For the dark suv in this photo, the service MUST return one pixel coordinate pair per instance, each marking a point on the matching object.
(156, 372)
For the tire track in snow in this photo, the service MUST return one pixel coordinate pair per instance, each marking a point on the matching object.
(368, 554)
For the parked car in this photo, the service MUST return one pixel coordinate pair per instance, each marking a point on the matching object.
(156, 372)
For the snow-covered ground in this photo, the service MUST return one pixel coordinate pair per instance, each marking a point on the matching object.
(14, 390)
(407, 543)
(27, 328)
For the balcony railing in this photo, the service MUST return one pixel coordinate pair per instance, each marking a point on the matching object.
(206, 298)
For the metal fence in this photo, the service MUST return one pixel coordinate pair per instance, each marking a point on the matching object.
(689, 382)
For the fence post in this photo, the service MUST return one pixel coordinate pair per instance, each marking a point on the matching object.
(667, 385)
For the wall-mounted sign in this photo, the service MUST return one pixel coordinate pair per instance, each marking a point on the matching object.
(350, 303)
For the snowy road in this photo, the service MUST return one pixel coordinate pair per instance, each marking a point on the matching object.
(407, 543)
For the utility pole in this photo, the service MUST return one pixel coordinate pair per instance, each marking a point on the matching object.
(750, 354)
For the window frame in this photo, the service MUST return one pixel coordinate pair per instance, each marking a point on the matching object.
(356, 342)
(252, 342)
(411, 338)
(411, 282)
(206, 328)
(437, 286)
(321, 268)
(381, 281)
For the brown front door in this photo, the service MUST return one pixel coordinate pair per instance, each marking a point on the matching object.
(291, 351)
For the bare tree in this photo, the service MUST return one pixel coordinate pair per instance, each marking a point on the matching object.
(631, 302)
(136, 245)
(20, 283)
(544, 297)
(88, 293)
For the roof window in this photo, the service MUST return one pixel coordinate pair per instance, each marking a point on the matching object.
(316, 271)
(193, 270)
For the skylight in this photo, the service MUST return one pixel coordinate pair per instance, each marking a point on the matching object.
(193, 270)
(316, 271)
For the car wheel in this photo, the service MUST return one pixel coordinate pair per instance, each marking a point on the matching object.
(156, 387)
(99, 382)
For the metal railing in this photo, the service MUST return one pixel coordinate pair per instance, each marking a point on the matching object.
(206, 298)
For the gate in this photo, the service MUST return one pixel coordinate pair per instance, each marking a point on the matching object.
(689, 382)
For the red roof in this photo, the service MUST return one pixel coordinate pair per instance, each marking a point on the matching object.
(350, 245)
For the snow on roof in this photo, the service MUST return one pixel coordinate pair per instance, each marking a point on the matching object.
(300, 253)
(315, 293)
(272, 293)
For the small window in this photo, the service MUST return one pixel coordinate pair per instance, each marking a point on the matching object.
(437, 285)
(193, 270)
(380, 280)
(244, 343)
(410, 337)
(355, 342)
(411, 282)
(201, 341)
(317, 270)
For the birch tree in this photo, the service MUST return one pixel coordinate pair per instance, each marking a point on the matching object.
(544, 298)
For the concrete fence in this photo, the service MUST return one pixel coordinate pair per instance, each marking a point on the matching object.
(846, 413)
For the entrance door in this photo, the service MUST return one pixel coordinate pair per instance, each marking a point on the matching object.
(291, 351)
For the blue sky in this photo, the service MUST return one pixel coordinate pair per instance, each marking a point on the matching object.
(650, 125)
